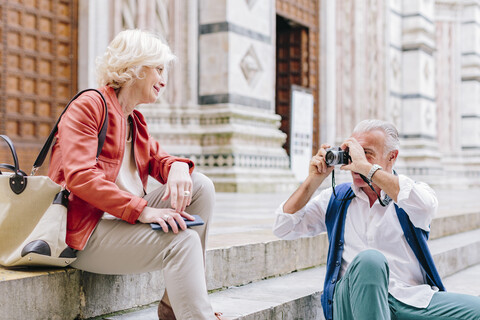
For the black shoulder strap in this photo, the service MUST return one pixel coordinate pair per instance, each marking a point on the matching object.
(101, 136)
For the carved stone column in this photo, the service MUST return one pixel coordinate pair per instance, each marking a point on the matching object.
(420, 156)
(470, 89)
(448, 56)
(362, 54)
(362, 61)
(241, 143)
(219, 104)
(328, 61)
(221, 110)
(94, 34)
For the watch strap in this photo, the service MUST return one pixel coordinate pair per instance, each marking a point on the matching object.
(372, 171)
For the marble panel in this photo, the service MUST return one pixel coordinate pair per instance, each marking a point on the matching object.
(212, 11)
(470, 59)
(395, 70)
(254, 55)
(424, 7)
(395, 29)
(470, 38)
(470, 132)
(470, 67)
(469, 98)
(421, 115)
(471, 11)
(418, 74)
(417, 23)
(395, 114)
(396, 5)
(256, 17)
(213, 72)
(418, 32)
(448, 10)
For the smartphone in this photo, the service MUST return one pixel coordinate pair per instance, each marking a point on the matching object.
(197, 222)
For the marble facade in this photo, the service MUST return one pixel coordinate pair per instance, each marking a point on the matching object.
(413, 62)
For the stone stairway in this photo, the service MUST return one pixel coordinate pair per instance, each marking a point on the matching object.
(251, 274)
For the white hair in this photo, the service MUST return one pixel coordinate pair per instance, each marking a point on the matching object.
(127, 54)
(392, 141)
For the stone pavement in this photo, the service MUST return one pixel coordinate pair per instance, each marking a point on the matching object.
(248, 218)
(251, 273)
(241, 220)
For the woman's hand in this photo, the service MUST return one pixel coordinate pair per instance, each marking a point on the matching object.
(164, 216)
(179, 186)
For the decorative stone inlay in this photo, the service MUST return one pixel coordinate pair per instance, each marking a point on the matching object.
(396, 114)
(145, 15)
(426, 71)
(238, 160)
(395, 68)
(250, 3)
(428, 118)
(251, 67)
(151, 15)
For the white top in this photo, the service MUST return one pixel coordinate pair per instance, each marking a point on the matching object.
(128, 178)
(374, 228)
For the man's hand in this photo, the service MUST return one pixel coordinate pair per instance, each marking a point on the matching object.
(317, 172)
(359, 162)
(318, 167)
(179, 186)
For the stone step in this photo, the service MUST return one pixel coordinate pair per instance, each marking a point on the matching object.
(466, 281)
(241, 264)
(289, 297)
(456, 252)
(292, 296)
(454, 222)
(68, 293)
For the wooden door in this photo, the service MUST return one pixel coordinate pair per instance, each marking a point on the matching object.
(38, 71)
(292, 68)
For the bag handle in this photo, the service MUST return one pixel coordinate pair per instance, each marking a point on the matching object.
(14, 155)
(101, 136)
(7, 166)
(17, 181)
(16, 167)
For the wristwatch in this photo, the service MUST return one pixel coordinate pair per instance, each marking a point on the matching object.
(372, 171)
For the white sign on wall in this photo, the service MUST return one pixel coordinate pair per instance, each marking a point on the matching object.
(301, 131)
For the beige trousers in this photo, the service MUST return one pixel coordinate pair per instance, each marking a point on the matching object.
(117, 247)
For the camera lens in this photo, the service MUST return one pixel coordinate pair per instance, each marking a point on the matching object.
(331, 158)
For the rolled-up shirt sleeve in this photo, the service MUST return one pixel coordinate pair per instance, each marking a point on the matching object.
(418, 200)
(308, 221)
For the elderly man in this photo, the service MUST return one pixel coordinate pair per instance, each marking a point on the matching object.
(379, 265)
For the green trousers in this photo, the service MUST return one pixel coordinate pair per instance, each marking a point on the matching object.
(362, 294)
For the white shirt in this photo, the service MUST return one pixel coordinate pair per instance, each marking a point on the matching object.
(374, 228)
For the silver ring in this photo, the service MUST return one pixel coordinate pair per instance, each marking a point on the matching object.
(186, 193)
(165, 217)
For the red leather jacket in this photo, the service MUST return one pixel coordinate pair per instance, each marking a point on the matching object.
(91, 181)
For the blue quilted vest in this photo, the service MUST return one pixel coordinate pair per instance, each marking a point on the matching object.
(335, 222)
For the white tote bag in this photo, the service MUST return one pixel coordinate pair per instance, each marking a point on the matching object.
(33, 220)
(33, 211)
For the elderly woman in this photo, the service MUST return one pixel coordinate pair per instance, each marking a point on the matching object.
(109, 211)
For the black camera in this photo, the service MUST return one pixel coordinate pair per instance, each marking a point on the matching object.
(336, 156)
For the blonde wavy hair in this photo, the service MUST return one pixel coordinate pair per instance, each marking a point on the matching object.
(128, 52)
